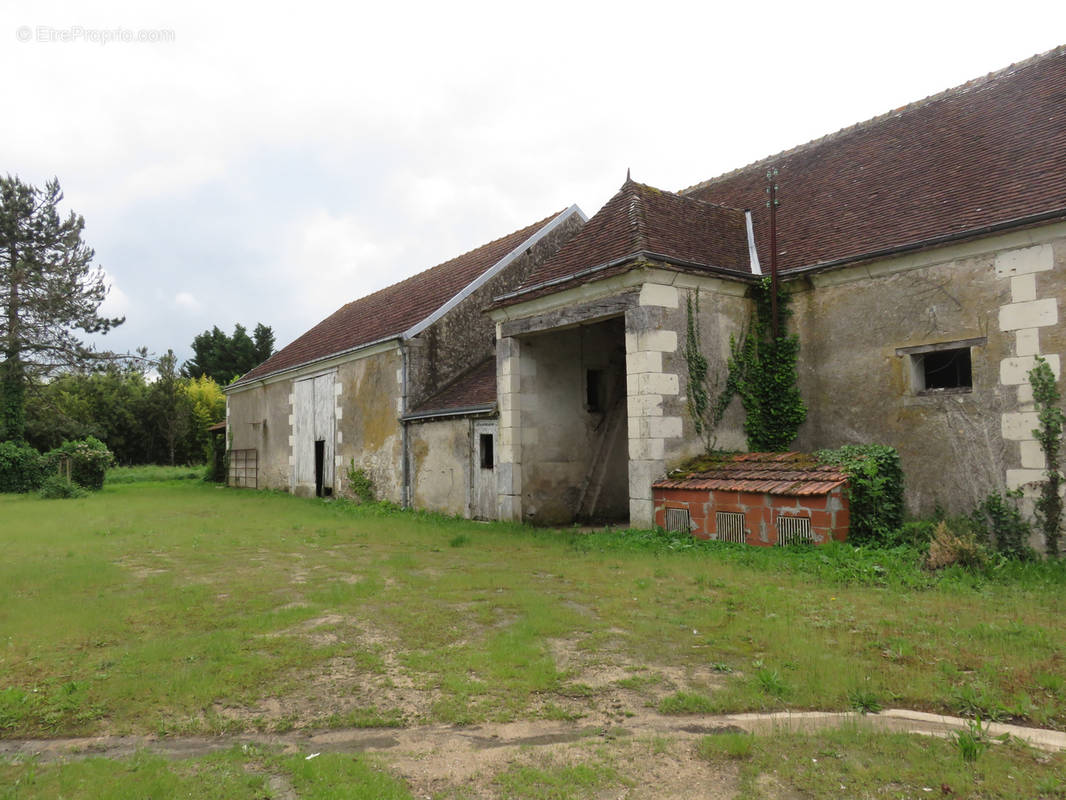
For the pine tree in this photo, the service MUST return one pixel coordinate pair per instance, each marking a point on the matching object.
(49, 289)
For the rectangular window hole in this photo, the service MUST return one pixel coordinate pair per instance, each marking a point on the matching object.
(485, 447)
(678, 520)
(729, 527)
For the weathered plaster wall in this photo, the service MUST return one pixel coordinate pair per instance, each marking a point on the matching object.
(258, 418)
(465, 336)
(368, 429)
(955, 447)
(441, 463)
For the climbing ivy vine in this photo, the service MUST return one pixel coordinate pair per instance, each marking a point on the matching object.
(703, 384)
(763, 370)
(1050, 419)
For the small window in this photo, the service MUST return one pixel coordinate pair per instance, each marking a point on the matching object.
(946, 369)
(793, 530)
(942, 368)
(729, 526)
(678, 520)
(594, 390)
(485, 445)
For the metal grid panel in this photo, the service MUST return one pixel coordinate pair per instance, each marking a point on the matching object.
(244, 468)
(678, 519)
(730, 526)
(793, 530)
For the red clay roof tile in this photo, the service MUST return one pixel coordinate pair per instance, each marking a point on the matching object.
(985, 153)
(642, 221)
(792, 474)
(394, 309)
(476, 387)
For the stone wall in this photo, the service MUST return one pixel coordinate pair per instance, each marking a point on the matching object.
(465, 337)
(258, 419)
(441, 464)
(857, 375)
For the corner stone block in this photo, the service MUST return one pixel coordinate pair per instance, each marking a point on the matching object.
(508, 479)
(641, 513)
(1034, 314)
(647, 405)
(1019, 426)
(641, 476)
(664, 427)
(1024, 261)
(1016, 478)
(1023, 288)
(1033, 456)
(508, 384)
(655, 340)
(644, 361)
(656, 294)
(647, 450)
(1015, 371)
(657, 383)
(1028, 342)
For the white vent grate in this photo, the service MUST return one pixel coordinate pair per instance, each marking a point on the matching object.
(677, 519)
(793, 530)
(730, 526)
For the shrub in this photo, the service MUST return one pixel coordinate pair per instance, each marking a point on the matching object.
(949, 547)
(360, 484)
(21, 467)
(57, 487)
(875, 490)
(1002, 526)
(89, 461)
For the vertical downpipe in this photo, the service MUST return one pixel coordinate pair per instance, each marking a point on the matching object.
(404, 461)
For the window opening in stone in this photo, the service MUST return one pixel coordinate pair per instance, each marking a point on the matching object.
(485, 445)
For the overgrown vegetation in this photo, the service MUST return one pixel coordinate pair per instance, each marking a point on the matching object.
(83, 463)
(708, 395)
(1050, 416)
(762, 369)
(875, 491)
(360, 484)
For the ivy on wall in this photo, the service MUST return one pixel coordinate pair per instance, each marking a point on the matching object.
(762, 369)
(703, 384)
(1050, 419)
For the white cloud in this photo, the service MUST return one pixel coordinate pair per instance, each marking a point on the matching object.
(187, 302)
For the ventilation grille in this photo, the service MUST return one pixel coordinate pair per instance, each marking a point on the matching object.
(677, 519)
(730, 526)
(793, 530)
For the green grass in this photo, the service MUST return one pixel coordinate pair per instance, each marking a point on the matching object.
(236, 774)
(854, 762)
(184, 607)
(153, 473)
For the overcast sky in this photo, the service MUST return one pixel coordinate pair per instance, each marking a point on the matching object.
(253, 162)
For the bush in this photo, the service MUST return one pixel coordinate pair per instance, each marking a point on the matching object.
(1001, 525)
(57, 487)
(875, 490)
(949, 547)
(89, 461)
(21, 467)
(359, 484)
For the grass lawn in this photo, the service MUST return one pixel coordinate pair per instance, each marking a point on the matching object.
(181, 608)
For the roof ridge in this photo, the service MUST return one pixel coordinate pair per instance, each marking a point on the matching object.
(638, 217)
(969, 85)
(498, 239)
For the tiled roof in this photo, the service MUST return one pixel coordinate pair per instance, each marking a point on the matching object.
(641, 221)
(982, 154)
(475, 388)
(392, 310)
(764, 473)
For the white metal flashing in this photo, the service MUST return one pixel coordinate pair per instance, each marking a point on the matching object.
(753, 254)
(494, 270)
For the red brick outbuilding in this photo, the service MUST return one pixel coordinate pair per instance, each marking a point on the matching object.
(756, 498)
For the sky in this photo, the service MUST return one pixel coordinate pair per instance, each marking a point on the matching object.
(266, 162)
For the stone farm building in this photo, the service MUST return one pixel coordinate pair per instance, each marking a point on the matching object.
(541, 377)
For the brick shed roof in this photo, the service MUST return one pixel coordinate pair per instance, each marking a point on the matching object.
(643, 223)
(472, 391)
(793, 474)
(393, 310)
(987, 153)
